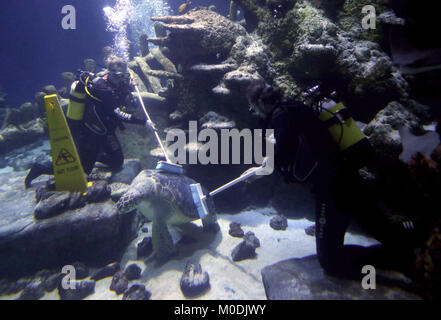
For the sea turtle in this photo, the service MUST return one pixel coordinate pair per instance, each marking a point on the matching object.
(166, 200)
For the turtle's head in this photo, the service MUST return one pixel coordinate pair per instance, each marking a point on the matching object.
(129, 201)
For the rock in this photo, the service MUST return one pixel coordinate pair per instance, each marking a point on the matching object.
(16, 136)
(251, 237)
(130, 170)
(90, 65)
(99, 174)
(132, 272)
(235, 230)
(145, 229)
(310, 231)
(81, 270)
(50, 89)
(34, 291)
(76, 200)
(145, 247)
(93, 234)
(82, 290)
(52, 282)
(212, 120)
(279, 222)
(304, 279)
(107, 271)
(98, 192)
(119, 283)
(383, 130)
(244, 250)
(194, 282)
(137, 292)
(55, 203)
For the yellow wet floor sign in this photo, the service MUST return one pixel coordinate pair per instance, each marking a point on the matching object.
(68, 171)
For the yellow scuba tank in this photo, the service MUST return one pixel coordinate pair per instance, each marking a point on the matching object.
(77, 103)
(343, 129)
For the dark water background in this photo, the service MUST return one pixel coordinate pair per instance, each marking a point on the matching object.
(35, 49)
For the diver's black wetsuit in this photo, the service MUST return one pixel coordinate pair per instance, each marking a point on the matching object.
(339, 192)
(94, 136)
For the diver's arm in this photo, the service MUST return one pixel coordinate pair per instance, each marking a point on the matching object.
(127, 117)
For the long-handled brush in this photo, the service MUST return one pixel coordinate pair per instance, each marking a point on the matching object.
(165, 166)
(199, 198)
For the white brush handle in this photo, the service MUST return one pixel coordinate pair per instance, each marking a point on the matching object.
(243, 177)
(154, 129)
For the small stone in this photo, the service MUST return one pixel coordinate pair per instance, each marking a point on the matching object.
(145, 230)
(98, 192)
(279, 222)
(119, 283)
(194, 282)
(310, 231)
(251, 238)
(82, 289)
(132, 272)
(244, 250)
(76, 200)
(107, 271)
(235, 230)
(137, 292)
(52, 282)
(145, 247)
(33, 291)
(55, 204)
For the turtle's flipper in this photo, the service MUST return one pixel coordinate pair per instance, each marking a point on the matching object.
(210, 223)
(161, 239)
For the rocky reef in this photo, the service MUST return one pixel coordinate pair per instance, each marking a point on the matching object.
(198, 67)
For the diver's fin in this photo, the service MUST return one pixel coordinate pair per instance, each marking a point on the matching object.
(68, 171)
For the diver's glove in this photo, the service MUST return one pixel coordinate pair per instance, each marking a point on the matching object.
(150, 124)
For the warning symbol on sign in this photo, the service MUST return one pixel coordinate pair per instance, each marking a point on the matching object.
(64, 157)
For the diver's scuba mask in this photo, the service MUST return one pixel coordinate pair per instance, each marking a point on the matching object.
(118, 78)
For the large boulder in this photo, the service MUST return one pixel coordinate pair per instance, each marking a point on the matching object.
(95, 233)
(304, 279)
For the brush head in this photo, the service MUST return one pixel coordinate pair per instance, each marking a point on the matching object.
(199, 200)
(169, 167)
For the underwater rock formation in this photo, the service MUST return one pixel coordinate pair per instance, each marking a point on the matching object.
(304, 279)
(209, 46)
(95, 232)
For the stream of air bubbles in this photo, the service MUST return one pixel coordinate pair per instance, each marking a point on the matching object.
(128, 19)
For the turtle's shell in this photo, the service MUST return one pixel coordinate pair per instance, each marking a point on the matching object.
(172, 188)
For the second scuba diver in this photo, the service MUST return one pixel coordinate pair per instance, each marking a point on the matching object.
(96, 109)
(325, 146)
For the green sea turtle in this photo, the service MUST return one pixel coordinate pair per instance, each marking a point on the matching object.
(166, 200)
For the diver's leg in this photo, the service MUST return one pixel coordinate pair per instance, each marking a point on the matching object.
(112, 155)
(330, 232)
(88, 145)
(37, 170)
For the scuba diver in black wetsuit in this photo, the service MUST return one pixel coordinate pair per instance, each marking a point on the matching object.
(96, 108)
(323, 145)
